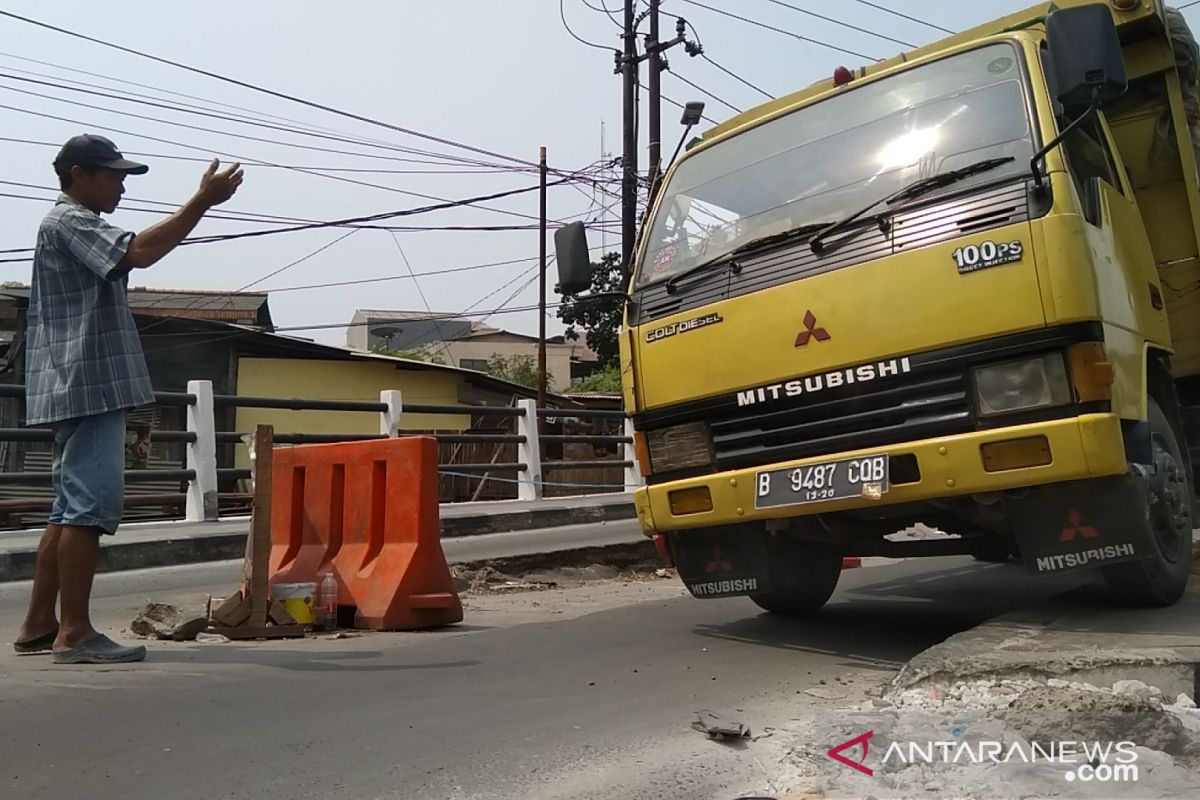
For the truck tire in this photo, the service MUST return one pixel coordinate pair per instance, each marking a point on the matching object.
(1161, 579)
(803, 577)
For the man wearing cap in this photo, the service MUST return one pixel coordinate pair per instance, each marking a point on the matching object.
(84, 370)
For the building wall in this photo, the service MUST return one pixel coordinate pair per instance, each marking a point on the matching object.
(356, 333)
(310, 379)
(558, 356)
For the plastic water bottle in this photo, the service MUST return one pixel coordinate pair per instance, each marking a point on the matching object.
(329, 603)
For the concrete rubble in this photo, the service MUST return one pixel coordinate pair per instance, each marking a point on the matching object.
(165, 621)
(1107, 687)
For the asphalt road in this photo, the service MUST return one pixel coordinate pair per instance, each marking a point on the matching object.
(578, 692)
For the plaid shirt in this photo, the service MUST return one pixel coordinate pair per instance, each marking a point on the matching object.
(83, 355)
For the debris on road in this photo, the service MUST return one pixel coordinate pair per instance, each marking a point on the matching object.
(165, 621)
(211, 638)
(719, 728)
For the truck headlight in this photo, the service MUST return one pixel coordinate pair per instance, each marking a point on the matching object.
(679, 447)
(1022, 385)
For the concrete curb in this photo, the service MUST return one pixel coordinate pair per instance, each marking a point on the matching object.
(502, 522)
(198, 547)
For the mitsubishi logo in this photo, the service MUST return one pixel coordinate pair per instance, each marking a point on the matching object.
(811, 331)
(1069, 534)
(718, 563)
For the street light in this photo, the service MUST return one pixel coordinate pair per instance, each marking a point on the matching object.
(693, 112)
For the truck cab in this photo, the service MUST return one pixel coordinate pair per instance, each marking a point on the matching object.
(955, 290)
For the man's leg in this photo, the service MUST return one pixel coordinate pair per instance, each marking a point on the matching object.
(78, 551)
(41, 618)
(93, 484)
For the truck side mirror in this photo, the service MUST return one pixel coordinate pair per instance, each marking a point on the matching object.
(1085, 53)
(574, 259)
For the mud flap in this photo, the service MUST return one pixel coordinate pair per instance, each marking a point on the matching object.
(722, 562)
(1083, 524)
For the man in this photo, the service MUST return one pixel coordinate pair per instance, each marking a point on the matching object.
(84, 370)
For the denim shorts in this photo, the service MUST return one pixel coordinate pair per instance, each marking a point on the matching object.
(89, 471)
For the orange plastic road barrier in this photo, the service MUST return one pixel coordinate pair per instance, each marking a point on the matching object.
(368, 511)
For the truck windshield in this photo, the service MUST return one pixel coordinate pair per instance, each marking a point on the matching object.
(822, 162)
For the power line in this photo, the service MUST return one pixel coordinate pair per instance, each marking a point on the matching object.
(371, 217)
(352, 220)
(603, 9)
(843, 24)
(286, 267)
(917, 20)
(240, 158)
(511, 297)
(225, 117)
(672, 101)
(437, 327)
(177, 106)
(747, 20)
(432, 273)
(704, 91)
(562, 13)
(737, 77)
(178, 124)
(704, 54)
(270, 92)
(254, 163)
(256, 221)
(213, 103)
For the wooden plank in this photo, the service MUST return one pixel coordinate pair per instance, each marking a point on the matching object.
(280, 616)
(233, 612)
(249, 632)
(260, 531)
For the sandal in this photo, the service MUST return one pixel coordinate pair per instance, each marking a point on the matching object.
(38, 644)
(100, 650)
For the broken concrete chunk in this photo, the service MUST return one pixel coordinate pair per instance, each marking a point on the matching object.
(165, 621)
(1137, 689)
(719, 728)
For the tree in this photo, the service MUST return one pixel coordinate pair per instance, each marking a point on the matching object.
(521, 370)
(599, 319)
(607, 380)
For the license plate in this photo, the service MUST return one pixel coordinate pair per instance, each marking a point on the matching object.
(866, 476)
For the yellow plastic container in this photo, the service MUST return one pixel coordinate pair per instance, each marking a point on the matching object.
(298, 599)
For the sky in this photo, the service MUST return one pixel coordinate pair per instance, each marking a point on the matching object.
(499, 75)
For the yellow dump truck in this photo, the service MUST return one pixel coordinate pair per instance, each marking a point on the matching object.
(959, 288)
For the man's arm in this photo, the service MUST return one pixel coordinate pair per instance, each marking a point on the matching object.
(149, 246)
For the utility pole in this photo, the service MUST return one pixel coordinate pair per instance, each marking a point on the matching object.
(541, 394)
(628, 67)
(656, 66)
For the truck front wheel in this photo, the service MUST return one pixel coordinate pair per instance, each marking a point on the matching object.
(803, 576)
(1161, 579)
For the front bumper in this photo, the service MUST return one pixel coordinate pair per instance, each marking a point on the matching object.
(1087, 446)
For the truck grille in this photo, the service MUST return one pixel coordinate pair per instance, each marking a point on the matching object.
(931, 398)
(933, 406)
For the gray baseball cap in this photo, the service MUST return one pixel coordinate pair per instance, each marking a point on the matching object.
(90, 150)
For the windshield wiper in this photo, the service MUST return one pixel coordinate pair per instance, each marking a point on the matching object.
(909, 192)
(746, 247)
